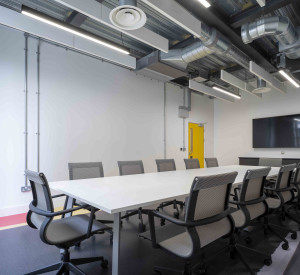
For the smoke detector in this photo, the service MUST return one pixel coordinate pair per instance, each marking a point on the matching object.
(127, 16)
(261, 87)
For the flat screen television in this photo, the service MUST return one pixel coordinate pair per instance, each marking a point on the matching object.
(277, 132)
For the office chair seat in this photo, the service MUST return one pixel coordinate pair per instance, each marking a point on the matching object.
(273, 203)
(71, 228)
(179, 242)
(239, 218)
(180, 245)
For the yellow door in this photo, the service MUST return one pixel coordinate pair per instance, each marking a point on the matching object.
(196, 142)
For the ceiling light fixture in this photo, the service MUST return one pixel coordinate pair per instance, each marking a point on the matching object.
(297, 119)
(226, 92)
(283, 73)
(71, 29)
(205, 3)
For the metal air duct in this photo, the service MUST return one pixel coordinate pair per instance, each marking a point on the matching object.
(279, 26)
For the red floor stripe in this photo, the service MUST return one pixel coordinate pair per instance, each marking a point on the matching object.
(12, 220)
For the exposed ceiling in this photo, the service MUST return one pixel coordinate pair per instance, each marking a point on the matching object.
(227, 16)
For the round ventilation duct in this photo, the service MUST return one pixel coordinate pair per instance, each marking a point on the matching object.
(127, 16)
(261, 87)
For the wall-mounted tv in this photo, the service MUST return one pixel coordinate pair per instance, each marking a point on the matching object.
(277, 132)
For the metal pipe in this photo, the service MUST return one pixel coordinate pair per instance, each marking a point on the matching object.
(165, 120)
(38, 105)
(26, 104)
(279, 26)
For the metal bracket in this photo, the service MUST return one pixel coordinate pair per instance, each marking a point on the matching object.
(25, 189)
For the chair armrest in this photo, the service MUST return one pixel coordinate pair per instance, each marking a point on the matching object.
(91, 221)
(57, 196)
(269, 188)
(38, 211)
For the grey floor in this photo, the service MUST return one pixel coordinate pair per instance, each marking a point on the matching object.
(21, 251)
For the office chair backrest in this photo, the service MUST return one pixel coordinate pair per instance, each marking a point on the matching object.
(164, 165)
(296, 180)
(270, 162)
(284, 182)
(130, 167)
(209, 197)
(41, 198)
(253, 190)
(211, 162)
(192, 163)
(85, 170)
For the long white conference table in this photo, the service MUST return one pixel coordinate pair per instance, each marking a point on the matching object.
(117, 194)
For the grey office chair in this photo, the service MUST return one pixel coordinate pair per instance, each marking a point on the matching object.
(296, 185)
(192, 164)
(279, 196)
(251, 203)
(211, 162)
(63, 233)
(165, 165)
(270, 162)
(85, 170)
(207, 219)
(133, 168)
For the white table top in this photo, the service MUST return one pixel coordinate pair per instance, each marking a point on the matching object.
(117, 194)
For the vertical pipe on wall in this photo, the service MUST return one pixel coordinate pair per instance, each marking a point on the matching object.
(183, 123)
(26, 107)
(165, 120)
(38, 105)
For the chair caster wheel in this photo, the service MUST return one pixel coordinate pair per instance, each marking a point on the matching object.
(157, 272)
(248, 240)
(285, 246)
(294, 236)
(104, 264)
(77, 244)
(142, 228)
(268, 262)
(176, 215)
(162, 222)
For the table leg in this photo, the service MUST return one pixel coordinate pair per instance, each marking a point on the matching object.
(116, 244)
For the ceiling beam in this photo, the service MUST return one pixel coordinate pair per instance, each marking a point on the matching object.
(29, 25)
(100, 13)
(199, 87)
(255, 12)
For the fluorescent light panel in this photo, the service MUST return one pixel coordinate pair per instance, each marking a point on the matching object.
(205, 3)
(61, 25)
(297, 119)
(226, 92)
(283, 73)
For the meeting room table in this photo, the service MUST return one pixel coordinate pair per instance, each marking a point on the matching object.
(115, 195)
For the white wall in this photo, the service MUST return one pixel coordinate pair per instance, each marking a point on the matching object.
(233, 124)
(90, 111)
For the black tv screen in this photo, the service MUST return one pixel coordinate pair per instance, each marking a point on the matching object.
(277, 132)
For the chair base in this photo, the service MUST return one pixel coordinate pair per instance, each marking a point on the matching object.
(140, 212)
(175, 204)
(67, 265)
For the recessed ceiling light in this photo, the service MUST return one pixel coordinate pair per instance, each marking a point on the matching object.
(283, 73)
(226, 92)
(76, 31)
(205, 3)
